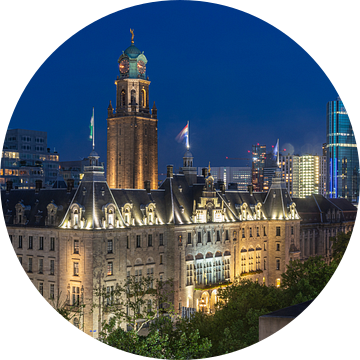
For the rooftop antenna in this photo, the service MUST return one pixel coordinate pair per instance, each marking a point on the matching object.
(278, 162)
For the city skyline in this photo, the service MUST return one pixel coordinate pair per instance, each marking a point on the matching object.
(253, 63)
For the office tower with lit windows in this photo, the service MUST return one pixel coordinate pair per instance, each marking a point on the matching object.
(26, 158)
(289, 166)
(342, 155)
(239, 175)
(258, 164)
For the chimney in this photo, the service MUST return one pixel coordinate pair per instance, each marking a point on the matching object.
(250, 189)
(204, 172)
(9, 186)
(70, 184)
(38, 186)
(170, 171)
(147, 186)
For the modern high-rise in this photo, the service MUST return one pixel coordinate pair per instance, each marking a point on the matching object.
(26, 158)
(258, 164)
(342, 155)
(132, 146)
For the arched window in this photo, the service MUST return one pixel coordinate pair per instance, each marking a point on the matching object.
(133, 97)
(123, 98)
(143, 98)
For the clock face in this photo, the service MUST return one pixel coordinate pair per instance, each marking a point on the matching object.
(141, 66)
(124, 66)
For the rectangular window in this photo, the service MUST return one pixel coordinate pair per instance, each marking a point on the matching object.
(217, 235)
(277, 247)
(76, 246)
(234, 235)
(52, 291)
(227, 235)
(52, 267)
(161, 259)
(264, 231)
(10, 236)
(250, 232)
(278, 231)
(138, 241)
(292, 230)
(189, 239)
(277, 264)
(20, 241)
(161, 239)
(264, 264)
(257, 232)
(199, 238)
(20, 259)
(41, 243)
(75, 295)
(208, 237)
(76, 268)
(41, 266)
(30, 265)
(41, 288)
(30, 242)
(149, 239)
(127, 242)
(52, 244)
(110, 247)
(243, 233)
(110, 268)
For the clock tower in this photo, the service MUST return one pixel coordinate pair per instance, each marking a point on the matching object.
(132, 152)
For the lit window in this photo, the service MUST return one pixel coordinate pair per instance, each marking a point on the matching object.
(277, 282)
(110, 268)
(76, 268)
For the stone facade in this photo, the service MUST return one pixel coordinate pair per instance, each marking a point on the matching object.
(201, 237)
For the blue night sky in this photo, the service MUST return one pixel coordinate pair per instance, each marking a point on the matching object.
(235, 78)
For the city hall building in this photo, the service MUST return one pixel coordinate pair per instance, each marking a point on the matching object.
(190, 229)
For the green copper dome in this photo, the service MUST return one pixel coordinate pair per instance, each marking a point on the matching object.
(132, 51)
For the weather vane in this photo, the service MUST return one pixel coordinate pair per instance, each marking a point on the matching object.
(132, 35)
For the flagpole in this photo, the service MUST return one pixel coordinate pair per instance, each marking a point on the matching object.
(278, 151)
(93, 130)
(187, 137)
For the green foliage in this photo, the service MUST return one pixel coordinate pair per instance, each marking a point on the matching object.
(158, 344)
(339, 245)
(65, 310)
(304, 281)
(136, 301)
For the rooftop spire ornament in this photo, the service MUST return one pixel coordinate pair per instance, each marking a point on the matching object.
(132, 36)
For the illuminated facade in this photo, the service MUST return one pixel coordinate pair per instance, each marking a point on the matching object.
(132, 149)
(342, 155)
(26, 158)
(71, 240)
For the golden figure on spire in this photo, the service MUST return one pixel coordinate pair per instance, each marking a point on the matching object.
(209, 168)
(132, 35)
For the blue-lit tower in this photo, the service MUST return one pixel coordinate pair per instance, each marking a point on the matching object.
(342, 155)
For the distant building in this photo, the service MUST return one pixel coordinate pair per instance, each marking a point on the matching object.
(73, 170)
(342, 155)
(241, 176)
(26, 158)
(269, 324)
(258, 164)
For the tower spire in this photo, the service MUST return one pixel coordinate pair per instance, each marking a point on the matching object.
(132, 36)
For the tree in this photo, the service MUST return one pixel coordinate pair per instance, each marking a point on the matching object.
(339, 245)
(136, 301)
(303, 281)
(158, 344)
(67, 311)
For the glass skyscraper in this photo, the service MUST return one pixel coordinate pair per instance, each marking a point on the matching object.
(342, 155)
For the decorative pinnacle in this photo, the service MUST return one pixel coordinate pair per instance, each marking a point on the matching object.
(132, 36)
